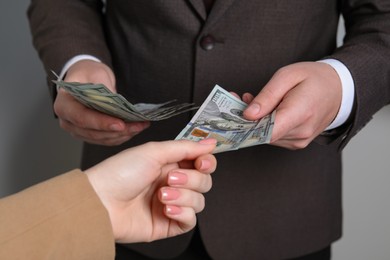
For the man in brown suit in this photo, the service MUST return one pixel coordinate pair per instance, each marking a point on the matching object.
(268, 202)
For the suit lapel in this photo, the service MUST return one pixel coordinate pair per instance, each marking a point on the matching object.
(199, 7)
(218, 9)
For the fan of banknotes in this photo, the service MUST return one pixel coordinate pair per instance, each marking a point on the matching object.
(221, 117)
(99, 97)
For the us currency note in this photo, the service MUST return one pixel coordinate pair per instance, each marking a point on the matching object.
(99, 97)
(221, 117)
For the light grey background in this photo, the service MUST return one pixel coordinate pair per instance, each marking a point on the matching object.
(34, 148)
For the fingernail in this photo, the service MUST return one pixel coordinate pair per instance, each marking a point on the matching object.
(169, 194)
(253, 109)
(172, 210)
(205, 164)
(208, 141)
(177, 178)
(116, 127)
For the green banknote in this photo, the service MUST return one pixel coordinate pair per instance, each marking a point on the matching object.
(220, 117)
(99, 97)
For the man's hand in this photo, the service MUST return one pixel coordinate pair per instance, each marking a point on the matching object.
(87, 124)
(306, 96)
(153, 191)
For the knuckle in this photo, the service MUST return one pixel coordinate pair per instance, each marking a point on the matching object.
(290, 73)
(95, 136)
(63, 124)
(305, 134)
(57, 109)
(79, 120)
(298, 145)
(283, 72)
(201, 203)
(99, 73)
(206, 183)
(308, 114)
(269, 94)
(287, 72)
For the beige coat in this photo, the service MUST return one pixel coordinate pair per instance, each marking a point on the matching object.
(61, 218)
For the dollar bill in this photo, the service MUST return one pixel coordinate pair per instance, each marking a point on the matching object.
(99, 97)
(221, 117)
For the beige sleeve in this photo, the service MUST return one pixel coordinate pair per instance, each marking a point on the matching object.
(61, 218)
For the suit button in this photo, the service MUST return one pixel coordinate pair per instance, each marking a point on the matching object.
(207, 42)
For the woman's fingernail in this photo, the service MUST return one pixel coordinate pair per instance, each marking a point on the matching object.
(172, 210)
(253, 109)
(177, 178)
(169, 194)
(204, 165)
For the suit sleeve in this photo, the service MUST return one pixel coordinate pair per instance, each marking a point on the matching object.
(366, 53)
(61, 218)
(62, 29)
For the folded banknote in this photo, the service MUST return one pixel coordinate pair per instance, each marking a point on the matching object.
(221, 117)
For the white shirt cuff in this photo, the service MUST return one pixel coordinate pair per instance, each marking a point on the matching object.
(348, 92)
(73, 60)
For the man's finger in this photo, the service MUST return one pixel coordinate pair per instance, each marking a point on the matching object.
(179, 150)
(273, 92)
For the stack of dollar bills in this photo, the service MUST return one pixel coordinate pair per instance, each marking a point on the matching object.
(221, 117)
(99, 97)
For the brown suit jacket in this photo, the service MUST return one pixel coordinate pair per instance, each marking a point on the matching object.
(61, 218)
(267, 202)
